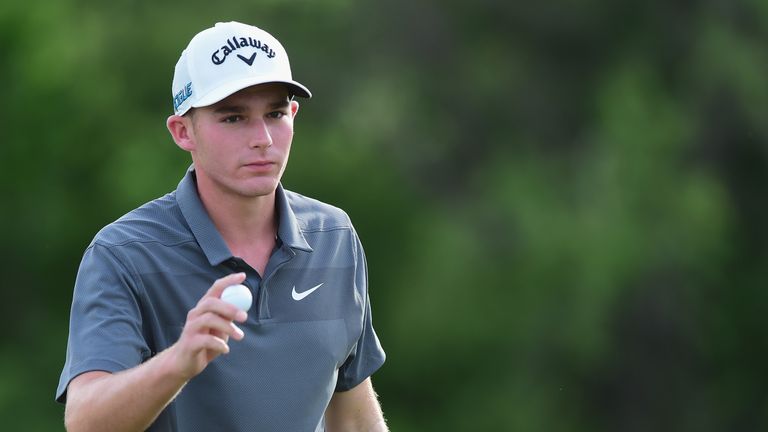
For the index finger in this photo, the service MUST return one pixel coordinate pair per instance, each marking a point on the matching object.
(218, 286)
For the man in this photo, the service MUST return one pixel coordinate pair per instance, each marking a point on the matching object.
(153, 346)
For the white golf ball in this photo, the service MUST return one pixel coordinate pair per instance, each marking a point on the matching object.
(238, 295)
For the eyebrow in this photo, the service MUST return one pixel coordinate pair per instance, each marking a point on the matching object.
(239, 109)
(230, 109)
(283, 103)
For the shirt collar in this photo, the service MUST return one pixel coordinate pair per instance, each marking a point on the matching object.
(288, 228)
(209, 238)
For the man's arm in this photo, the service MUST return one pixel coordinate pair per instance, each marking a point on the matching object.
(355, 410)
(132, 399)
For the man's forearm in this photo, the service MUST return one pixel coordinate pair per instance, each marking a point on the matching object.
(126, 401)
(131, 400)
(355, 410)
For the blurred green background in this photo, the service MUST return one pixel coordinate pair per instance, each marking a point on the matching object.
(563, 203)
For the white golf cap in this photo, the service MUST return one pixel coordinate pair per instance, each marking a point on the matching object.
(226, 58)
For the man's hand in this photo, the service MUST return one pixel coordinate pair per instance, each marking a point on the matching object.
(208, 329)
(132, 399)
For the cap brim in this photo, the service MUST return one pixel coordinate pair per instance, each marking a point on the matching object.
(232, 87)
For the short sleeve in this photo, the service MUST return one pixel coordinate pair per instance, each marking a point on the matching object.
(368, 355)
(105, 331)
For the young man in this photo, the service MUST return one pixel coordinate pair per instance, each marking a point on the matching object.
(153, 346)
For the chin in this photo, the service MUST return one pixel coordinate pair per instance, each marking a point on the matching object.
(259, 189)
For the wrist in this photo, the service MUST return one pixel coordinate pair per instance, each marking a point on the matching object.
(169, 367)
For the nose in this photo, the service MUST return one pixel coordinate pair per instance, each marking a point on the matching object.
(260, 136)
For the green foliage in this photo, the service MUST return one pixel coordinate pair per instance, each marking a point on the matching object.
(563, 204)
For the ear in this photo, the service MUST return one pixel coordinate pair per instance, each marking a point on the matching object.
(294, 108)
(181, 130)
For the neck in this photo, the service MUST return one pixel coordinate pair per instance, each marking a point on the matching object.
(242, 221)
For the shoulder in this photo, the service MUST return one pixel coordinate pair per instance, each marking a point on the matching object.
(159, 220)
(315, 215)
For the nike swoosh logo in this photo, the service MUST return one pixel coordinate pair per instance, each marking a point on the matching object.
(301, 295)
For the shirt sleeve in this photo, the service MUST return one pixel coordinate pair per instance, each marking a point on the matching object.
(105, 331)
(367, 356)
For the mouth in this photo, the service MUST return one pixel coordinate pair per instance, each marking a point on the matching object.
(259, 165)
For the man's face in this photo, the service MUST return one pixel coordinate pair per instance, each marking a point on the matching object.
(240, 145)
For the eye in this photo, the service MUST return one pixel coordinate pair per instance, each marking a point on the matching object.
(276, 114)
(232, 119)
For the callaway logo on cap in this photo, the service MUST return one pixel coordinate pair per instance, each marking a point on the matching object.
(227, 58)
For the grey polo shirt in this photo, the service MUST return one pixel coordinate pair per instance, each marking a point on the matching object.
(144, 272)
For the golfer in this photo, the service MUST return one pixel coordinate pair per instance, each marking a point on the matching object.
(151, 344)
